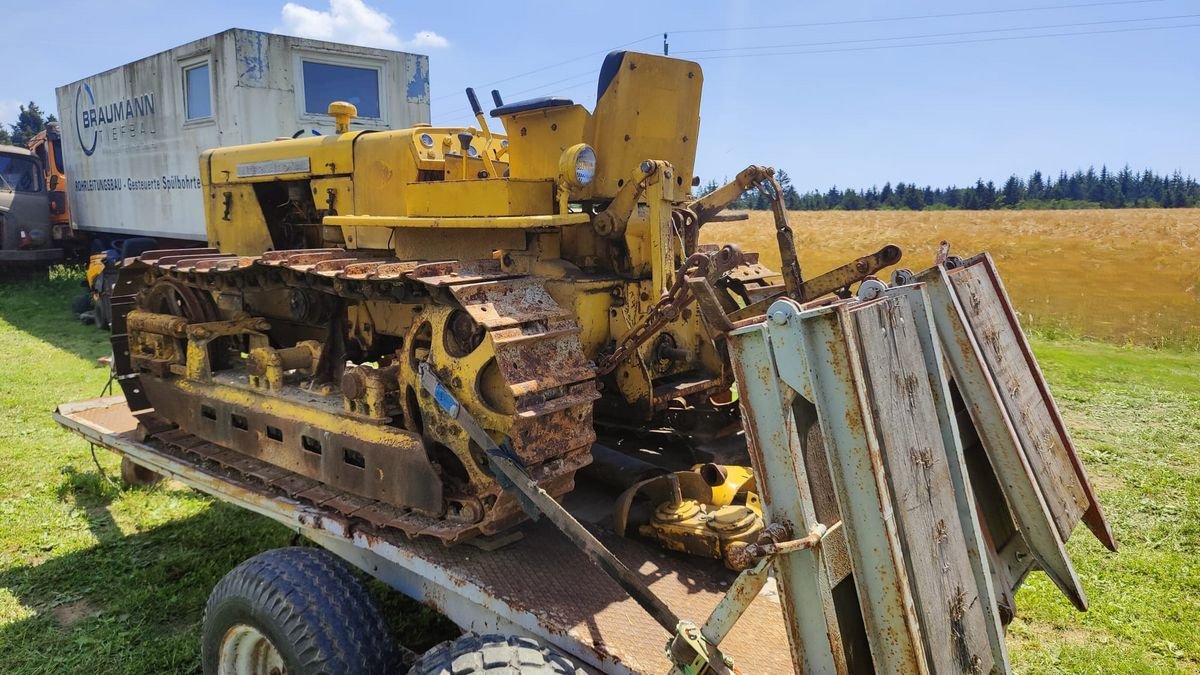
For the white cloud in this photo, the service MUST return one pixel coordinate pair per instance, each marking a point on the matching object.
(353, 22)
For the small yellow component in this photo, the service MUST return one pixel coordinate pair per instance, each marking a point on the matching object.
(95, 268)
(696, 523)
(267, 365)
(342, 112)
(727, 482)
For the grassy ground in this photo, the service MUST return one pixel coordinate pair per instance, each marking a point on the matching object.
(95, 579)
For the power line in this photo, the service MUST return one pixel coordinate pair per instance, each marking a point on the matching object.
(848, 22)
(561, 63)
(950, 42)
(939, 35)
(590, 74)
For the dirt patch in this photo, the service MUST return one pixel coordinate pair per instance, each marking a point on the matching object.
(73, 612)
(1103, 482)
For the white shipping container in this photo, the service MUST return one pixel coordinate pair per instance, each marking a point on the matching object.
(132, 136)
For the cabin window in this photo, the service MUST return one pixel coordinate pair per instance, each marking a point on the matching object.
(197, 92)
(19, 173)
(325, 83)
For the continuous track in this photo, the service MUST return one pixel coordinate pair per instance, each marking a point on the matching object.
(510, 352)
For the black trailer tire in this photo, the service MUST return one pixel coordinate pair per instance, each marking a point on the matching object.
(133, 474)
(306, 606)
(82, 303)
(100, 315)
(494, 655)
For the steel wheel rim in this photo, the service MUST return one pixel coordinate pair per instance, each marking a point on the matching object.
(245, 650)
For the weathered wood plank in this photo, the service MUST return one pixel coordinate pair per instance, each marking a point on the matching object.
(949, 603)
(1042, 444)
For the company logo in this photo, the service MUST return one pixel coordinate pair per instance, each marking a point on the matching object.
(90, 117)
(81, 118)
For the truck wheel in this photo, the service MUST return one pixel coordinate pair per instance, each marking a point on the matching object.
(101, 312)
(82, 303)
(297, 611)
(493, 655)
(134, 475)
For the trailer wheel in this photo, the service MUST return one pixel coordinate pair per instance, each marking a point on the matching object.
(133, 474)
(297, 611)
(494, 655)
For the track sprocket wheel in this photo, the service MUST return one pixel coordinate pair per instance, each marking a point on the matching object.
(462, 355)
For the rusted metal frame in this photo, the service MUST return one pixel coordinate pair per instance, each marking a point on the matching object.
(1094, 516)
(998, 437)
(737, 600)
(829, 282)
(708, 206)
(750, 582)
(200, 335)
(711, 310)
(968, 515)
(463, 601)
(789, 263)
(830, 376)
(814, 636)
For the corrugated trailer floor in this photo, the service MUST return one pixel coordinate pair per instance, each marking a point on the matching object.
(540, 584)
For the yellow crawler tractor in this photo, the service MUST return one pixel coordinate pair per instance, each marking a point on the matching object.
(550, 276)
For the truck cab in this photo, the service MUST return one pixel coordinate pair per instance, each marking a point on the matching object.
(24, 208)
(47, 146)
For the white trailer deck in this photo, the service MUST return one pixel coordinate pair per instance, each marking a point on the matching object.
(541, 585)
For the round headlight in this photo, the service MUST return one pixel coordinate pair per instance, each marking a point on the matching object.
(578, 165)
(427, 140)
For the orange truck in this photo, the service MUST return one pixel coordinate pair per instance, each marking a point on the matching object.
(47, 146)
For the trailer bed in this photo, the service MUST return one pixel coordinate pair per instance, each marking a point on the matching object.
(539, 585)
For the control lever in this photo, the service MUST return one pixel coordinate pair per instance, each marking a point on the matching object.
(487, 135)
(464, 140)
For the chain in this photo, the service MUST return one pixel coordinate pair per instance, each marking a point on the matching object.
(672, 302)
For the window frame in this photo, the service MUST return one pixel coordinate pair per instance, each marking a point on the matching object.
(378, 64)
(189, 64)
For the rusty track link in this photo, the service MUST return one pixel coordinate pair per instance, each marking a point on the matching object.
(381, 516)
(533, 343)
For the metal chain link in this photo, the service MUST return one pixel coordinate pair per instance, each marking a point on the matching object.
(672, 302)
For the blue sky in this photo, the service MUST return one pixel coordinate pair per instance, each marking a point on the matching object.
(820, 89)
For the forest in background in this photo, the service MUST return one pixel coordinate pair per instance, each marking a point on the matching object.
(1102, 189)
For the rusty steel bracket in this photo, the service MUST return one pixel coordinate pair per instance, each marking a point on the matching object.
(519, 483)
(707, 207)
(199, 335)
(832, 281)
(789, 262)
(612, 221)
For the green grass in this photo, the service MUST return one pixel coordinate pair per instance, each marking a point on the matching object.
(100, 580)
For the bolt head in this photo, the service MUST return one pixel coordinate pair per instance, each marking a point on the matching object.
(780, 317)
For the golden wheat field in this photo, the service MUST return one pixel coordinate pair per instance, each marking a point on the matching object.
(1121, 275)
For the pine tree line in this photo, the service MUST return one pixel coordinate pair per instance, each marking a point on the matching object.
(1082, 189)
